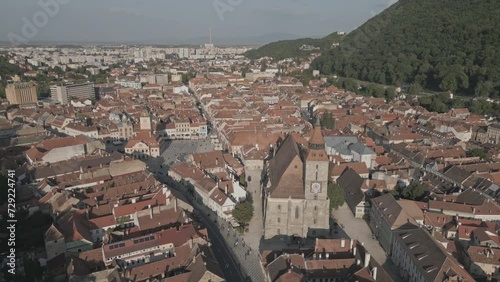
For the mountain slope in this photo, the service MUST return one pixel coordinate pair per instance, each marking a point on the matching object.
(440, 44)
(291, 48)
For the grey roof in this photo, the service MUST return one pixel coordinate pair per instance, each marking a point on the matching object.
(457, 174)
(342, 149)
(332, 141)
(201, 265)
(388, 206)
(361, 149)
(277, 267)
(72, 166)
(430, 257)
(351, 183)
(471, 197)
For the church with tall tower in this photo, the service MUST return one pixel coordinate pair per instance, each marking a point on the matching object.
(296, 202)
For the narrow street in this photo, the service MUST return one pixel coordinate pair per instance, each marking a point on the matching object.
(256, 225)
(237, 260)
(227, 262)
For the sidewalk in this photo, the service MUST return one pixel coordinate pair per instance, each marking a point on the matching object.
(358, 229)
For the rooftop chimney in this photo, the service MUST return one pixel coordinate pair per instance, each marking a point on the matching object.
(367, 259)
(175, 204)
(150, 211)
(374, 273)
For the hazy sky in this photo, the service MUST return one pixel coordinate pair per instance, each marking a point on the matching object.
(139, 20)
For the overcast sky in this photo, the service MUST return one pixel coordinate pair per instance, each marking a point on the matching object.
(142, 20)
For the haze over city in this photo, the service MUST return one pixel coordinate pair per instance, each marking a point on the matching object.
(174, 22)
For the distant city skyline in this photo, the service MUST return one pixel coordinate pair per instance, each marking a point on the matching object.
(175, 22)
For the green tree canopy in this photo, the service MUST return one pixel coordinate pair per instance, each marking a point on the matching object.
(336, 196)
(327, 121)
(477, 152)
(453, 48)
(415, 191)
(243, 212)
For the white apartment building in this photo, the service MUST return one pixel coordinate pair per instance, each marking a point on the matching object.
(65, 93)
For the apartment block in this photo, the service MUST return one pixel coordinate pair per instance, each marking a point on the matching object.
(65, 93)
(21, 93)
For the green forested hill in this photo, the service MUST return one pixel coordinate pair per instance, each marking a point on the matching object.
(440, 44)
(291, 48)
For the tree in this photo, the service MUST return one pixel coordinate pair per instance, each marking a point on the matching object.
(327, 121)
(476, 152)
(263, 66)
(244, 71)
(390, 93)
(430, 125)
(336, 195)
(243, 180)
(406, 45)
(415, 191)
(415, 89)
(350, 85)
(243, 212)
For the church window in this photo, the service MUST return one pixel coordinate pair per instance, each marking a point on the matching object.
(296, 212)
(279, 207)
(278, 231)
(317, 166)
(279, 220)
(316, 175)
(315, 208)
(315, 221)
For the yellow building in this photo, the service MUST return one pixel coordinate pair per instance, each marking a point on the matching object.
(22, 93)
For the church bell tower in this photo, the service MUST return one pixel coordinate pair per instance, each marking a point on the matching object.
(316, 167)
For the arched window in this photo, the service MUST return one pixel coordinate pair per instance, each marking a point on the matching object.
(296, 212)
(315, 208)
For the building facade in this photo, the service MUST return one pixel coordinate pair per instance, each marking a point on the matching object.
(21, 93)
(493, 134)
(65, 93)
